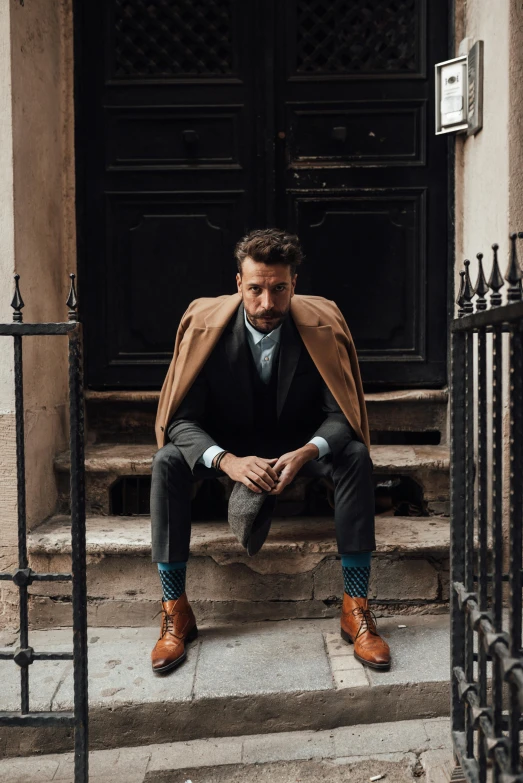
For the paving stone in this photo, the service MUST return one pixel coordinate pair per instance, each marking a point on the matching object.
(196, 753)
(44, 677)
(120, 671)
(236, 662)
(380, 738)
(288, 746)
(24, 770)
(438, 765)
(350, 678)
(438, 731)
(420, 652)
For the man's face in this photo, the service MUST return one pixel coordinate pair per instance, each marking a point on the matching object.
(266, 291)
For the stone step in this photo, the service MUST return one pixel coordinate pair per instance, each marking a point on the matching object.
(258, 678)
(398, 751)
(129, 416)
(105, 463)
(297, 573)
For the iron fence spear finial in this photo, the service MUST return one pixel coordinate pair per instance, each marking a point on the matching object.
(468, 291)
(72, 300)
(495, 282)
(514, 274)
(481, 287)
(17, 302)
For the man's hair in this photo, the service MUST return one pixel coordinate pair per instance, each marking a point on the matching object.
(269, 246)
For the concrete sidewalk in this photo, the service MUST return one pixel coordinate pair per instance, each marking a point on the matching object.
(259, 678)
(402, 751)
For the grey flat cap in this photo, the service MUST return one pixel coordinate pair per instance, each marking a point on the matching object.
(250, 516)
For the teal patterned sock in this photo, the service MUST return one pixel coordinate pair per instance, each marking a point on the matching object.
(172, 576)
(356, 573)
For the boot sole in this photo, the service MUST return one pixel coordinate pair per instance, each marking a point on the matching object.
(382, 667)
(191, 636)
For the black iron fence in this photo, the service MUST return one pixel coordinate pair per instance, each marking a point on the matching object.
(23, 576)
(486, 535)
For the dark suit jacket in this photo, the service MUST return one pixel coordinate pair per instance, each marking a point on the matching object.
(218, 409)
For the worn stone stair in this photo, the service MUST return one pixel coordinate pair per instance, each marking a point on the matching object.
(297, 573)
(254, 678)
(105, 463)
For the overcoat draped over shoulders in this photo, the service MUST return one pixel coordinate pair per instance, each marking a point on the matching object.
(322, 328)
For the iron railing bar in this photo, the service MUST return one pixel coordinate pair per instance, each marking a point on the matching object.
(457, 480)
(24, 330)
(469, 520)
(468, 765)
(509, 313)
(39, 656)
(490, 740)
(497, 521)
(515, 520)
(78, 549)
(35, 718)
(42, 577)
(482, 527)
(21, 511)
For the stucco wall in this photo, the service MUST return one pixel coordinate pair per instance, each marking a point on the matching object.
(482, 161)
(7, 264)
(37, 240)
(43, 111)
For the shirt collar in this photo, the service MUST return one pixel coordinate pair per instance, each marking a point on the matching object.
(257, 336)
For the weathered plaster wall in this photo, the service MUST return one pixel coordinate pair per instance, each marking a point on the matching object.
(43, 111)
(7, 264)
(482, 161)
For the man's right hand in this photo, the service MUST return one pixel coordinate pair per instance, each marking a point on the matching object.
(256, 473)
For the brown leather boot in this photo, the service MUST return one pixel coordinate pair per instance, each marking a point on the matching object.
(358, 627)
(178, 627)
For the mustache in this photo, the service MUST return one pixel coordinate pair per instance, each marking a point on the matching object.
(268, 314)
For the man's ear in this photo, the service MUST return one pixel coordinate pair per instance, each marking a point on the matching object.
(239, 282)
(293, 283)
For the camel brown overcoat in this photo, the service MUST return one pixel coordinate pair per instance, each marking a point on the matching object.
(322, 328)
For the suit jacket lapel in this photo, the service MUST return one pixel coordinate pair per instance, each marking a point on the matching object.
(237, 349)
(290, 349)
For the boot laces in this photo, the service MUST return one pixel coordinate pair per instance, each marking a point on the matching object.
(368, 620)
(167, 622)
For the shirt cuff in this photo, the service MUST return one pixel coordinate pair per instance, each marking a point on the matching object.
(323, 446)
(209, 454)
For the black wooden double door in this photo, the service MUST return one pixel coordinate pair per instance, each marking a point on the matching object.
(199, 120)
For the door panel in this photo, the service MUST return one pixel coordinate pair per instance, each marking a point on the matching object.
(361, 177)
(199, 120)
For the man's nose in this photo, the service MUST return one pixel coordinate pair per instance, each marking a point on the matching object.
(267, 300)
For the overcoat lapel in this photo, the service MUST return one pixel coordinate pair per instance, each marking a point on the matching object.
(237, 349)
(290, 349)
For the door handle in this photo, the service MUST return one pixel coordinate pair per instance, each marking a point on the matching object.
(339, 133)
(190, 137)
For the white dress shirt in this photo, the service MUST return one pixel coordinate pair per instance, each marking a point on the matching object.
(264, 349)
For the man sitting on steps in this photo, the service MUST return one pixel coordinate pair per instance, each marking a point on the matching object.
(264, 386)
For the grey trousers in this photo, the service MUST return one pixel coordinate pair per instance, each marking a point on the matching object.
(350, 473)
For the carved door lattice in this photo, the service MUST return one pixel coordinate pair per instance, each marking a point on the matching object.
(363, 36)
(172, 38)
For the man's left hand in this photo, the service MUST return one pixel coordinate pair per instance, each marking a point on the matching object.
(288, 465)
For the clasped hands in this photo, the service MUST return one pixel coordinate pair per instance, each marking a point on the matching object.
(269, 475)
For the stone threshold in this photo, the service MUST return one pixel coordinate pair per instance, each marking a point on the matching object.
(246, 679)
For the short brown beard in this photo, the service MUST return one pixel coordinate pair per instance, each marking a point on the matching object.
(253, 321)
